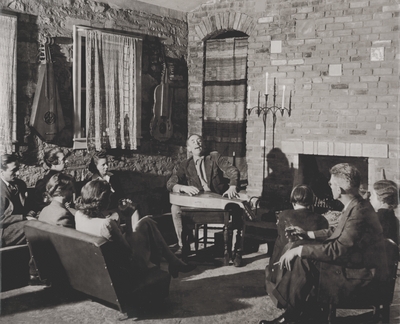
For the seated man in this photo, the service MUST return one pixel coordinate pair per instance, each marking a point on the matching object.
(13, 212)
(353, 247)
(201, 173)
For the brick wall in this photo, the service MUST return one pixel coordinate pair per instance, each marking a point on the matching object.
(339, 58)
(38, 19)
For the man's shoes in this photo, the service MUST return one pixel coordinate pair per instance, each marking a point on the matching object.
(238, 261)
(178, 252)
(279, 320)
(184, 268)
(34, 280)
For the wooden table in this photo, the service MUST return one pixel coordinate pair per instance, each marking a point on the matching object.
(206, 208)
(205, 216)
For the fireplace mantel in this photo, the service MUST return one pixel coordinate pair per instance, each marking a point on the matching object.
(335, 148)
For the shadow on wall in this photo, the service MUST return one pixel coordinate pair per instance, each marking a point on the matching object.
(279, 182)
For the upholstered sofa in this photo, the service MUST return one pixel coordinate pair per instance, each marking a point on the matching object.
(14, 267)
(92, 265)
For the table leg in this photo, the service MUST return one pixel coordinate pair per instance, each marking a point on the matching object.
(185, 243)
(226, 239)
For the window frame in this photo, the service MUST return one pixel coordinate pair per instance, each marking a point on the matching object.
(80, 134)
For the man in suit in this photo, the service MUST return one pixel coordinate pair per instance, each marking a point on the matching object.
(342, 261)
(13, 212)
(202, 173)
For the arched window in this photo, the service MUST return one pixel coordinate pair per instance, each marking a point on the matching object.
(225, 84)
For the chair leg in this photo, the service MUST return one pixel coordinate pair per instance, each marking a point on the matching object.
(385, 313)
(242, 238)
(331, 313)
(186, 244)
(196, 237)
(205, 235)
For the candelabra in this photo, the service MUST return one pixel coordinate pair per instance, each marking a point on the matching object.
(264, 110)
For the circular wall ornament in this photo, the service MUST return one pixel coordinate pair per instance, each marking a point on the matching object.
(49, 117)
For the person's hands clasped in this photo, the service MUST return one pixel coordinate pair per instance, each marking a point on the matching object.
(289, 256)
(231, 193)
(190, 190)
(125, 203)
(295, 231)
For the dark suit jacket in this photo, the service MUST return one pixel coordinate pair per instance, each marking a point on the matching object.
(11, 224)
(40, 189)
(57, 214)
(116, 187)
(305, 219)
(352, 255)
(390, 224)
(217, 168)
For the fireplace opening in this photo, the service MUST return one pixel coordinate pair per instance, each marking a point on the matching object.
(314, 171)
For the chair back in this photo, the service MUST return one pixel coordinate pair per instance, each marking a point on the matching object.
(65, 256)
(387, 286)
(14, 267)
(92, 265)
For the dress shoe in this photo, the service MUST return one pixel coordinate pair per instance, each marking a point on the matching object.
(174, 269)
(34, 280)
(178, 252)
(238, 261)
(279, 320)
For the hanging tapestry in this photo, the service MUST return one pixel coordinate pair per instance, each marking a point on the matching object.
(8, 82)
(113, 88)
(224, 124)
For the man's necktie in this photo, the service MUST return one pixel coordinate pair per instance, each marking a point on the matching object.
(201, 171)
(199, 165)
(13, 189)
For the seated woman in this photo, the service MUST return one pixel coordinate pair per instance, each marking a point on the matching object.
(301, 215)
(59, 192)
(54, 158)
(143, 238)
(384, 199)
(99, 168)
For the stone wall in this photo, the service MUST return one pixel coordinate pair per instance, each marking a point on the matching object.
(55, 19)
(338, 57)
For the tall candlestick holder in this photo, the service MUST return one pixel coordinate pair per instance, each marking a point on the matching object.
(264, 110)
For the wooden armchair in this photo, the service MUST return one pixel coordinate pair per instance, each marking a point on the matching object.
(262, 228)
(378, 295)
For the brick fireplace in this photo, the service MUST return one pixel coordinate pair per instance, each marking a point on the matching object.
(363, 156)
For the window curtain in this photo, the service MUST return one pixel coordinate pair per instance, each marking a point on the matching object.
(112, 90)
(8, 81)
(225, 81)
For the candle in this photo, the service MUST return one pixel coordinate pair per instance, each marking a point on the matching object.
(283, 97)
(248, 96)
(266, 82)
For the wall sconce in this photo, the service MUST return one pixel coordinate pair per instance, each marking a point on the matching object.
(264, 110)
